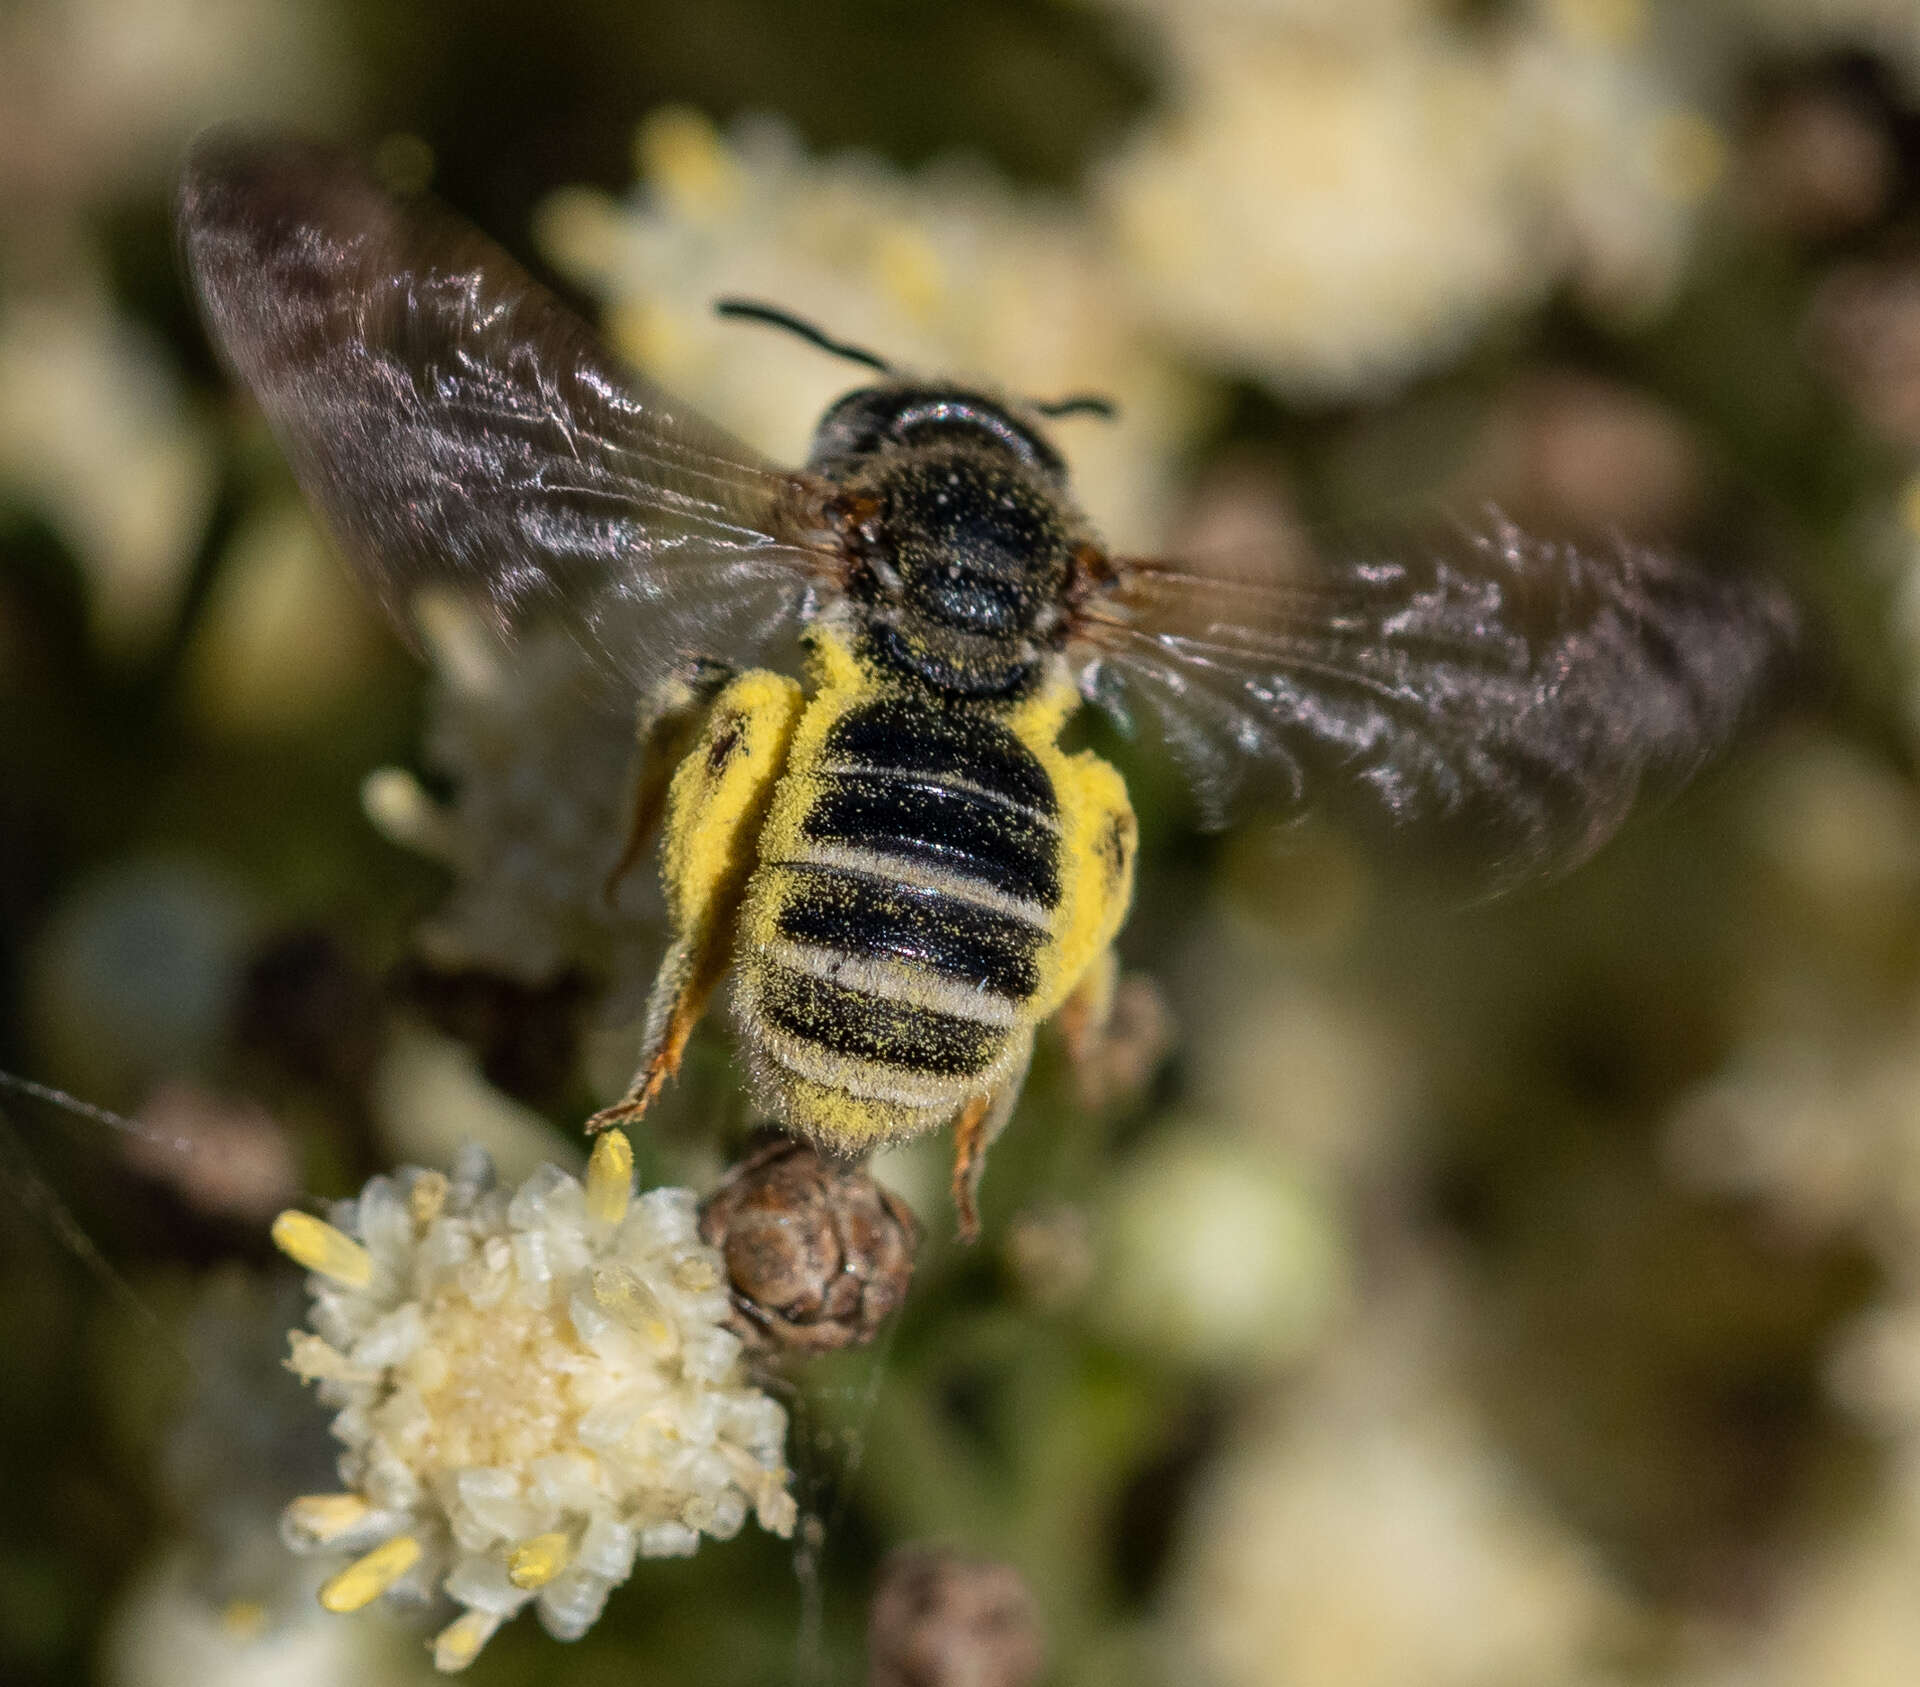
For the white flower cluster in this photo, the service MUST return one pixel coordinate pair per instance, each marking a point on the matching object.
(540, 764)
(94, 434)
(1337, 197)
(1368, 1531)
(97, 97)
(947, 273)
(535, 1388)
(1815, 1118)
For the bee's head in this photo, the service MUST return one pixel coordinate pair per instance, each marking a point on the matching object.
(964, 532)
(959, 519)
(874, 420)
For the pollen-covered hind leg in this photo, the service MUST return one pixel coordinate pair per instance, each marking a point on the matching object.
(680, 994)
(981, 1121)
(714, 810)
(669, 720)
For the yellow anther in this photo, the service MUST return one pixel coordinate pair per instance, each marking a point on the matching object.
(459, 1643)
(323, 1517)
(624, 1296)
(908, 269)
(366, 1578)
(315, 1244)
(536, 1562)
(609, 1178)
(688, 163)
(425, 1199)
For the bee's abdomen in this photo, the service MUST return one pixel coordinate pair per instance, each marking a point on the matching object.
(907, 919)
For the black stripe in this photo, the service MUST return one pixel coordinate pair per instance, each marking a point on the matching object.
(897, 732)
(919, 819)
(853, 1024)
(864, 915)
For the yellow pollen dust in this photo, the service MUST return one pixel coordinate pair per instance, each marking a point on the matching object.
(366, 1578)
(610, 1178)
(315, 1245)
(425, 1199)
(536, 1562)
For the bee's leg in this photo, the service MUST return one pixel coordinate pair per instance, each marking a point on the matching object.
(669, 718)
(714, 809)
(980, 1122)
(1116, 1030)
(1085, 1015)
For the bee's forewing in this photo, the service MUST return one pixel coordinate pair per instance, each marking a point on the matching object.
(1504, 697)
(458, 427)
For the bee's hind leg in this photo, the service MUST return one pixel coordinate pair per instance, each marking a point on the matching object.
(1116, 1030)
(979, 1123)
(714, 809)
(681, 990)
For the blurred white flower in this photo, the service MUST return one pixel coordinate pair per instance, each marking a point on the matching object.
(1614, 153)
(285, 639)
(539, 764)
(1816, 1112)
(101, 95)
(1332, 204)
(1324, 218)
(164, 1632)
(1368, 1533)
(1217, 1254)
(431, 1100)
(948, 272)
(95, 437)
(535, 1388)
(1332, 20)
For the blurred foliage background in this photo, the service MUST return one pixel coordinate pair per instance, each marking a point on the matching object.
(1461, 1297)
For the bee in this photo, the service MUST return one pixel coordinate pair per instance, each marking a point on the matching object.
(893, 855)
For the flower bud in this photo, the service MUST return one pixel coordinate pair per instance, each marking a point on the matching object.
(943, 1620)
(818, 1255)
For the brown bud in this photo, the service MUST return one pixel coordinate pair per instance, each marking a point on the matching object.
(818, 1254)
(943, 1620)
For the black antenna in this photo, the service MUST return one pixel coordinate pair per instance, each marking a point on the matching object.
(1081, 404)
(753, 311)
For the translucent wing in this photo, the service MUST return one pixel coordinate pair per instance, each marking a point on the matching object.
(1509, 698)
(460, 428)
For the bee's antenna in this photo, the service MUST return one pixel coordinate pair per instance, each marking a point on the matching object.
(1081, 404)
(754, 311)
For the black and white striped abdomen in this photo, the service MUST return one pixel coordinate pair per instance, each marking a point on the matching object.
(898, 931)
